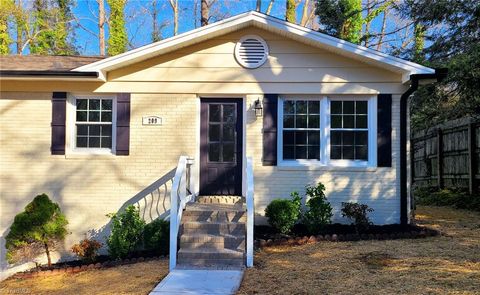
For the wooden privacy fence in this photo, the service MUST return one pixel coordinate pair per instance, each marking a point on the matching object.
(447, 155)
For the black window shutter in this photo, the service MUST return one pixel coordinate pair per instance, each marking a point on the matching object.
(384, 130)
(59, 115)
(123, 124)
(270, 103)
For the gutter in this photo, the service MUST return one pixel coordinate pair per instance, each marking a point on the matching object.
(46, 74)
(439, 75)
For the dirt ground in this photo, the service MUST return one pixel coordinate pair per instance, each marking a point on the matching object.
(448, 264)
(138, 278)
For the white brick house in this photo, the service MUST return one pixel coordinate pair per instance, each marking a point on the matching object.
(99, 135)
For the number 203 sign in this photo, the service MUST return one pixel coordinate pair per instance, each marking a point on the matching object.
(151, 120)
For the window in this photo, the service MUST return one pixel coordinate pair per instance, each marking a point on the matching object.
(327, 131)
(349, 130)
(301, 130)
(94, 122)
(221, 132)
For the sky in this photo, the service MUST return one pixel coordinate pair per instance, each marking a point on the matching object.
(139, 20)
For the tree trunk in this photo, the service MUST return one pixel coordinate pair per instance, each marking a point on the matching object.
(19, 21)
(269, 8)
(101, 26)
(367, 24)
(205, 10)
(291, 11)
(259, 6)
(47, 251)
(384, 27)
(174, 5)
(305, 17)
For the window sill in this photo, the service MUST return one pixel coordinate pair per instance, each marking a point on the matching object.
(75, 154)
(319, 167)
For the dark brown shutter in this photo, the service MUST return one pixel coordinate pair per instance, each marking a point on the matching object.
(123, 124)
(59, 115)
(384, 130)
(270, 103)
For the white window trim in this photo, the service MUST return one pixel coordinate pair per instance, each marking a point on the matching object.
(325, 160)
(70, 128)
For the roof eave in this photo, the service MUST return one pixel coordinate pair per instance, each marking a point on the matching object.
(48, 75)
(406, 68)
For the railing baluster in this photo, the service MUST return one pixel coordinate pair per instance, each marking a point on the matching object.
(250, 211)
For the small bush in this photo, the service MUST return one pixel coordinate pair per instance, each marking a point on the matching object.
(455, 198)
(156, 237)
(282, 214)
(87, 249)
(40, 226)
(319, 211)
(358, 213)
(127, 229)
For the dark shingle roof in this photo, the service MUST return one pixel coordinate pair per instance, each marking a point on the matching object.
(44, 62)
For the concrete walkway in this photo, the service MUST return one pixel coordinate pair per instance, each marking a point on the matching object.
(200, 281)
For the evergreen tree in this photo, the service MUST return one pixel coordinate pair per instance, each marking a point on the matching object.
(41, 224)
(43, 41)
(341, 18)
(117, 38)
(62, 28)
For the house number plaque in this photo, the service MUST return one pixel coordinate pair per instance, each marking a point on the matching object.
(151, 120)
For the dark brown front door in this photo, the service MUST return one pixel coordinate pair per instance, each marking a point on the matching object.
(221, 146)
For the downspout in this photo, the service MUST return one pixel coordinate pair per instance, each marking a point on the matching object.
(439, 75)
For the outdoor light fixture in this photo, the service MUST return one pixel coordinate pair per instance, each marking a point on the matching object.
(258, 108)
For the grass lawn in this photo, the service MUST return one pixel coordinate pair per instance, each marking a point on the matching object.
(138, 278)
(448, 264)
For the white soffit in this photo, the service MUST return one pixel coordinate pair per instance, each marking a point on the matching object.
(268, 23)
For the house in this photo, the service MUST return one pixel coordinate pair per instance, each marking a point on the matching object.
(258, 107)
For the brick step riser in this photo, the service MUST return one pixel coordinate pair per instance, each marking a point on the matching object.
(188, 217)
(214, 231)
(211, 262)
(217, 246)
(210, 256)
(221, 200)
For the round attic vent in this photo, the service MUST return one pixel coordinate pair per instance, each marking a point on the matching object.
(251, 52)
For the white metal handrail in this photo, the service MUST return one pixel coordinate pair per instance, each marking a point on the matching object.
(179, 197)
(250, 211)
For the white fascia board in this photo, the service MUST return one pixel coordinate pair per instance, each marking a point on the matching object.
(261, 20)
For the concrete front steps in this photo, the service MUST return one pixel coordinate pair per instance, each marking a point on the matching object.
(212, 234)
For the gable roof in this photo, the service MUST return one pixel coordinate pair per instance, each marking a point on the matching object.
(54, 63)
(268, 23)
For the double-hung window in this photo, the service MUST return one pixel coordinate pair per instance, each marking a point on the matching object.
(301, 130)
(93, 125)
(327, 131)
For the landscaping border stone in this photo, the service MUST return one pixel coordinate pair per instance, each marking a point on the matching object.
(423, 233)
(80, 268)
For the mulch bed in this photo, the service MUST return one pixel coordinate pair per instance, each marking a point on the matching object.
(267, 236)
(75, 266)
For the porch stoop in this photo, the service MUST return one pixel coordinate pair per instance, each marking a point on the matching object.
(213, 233)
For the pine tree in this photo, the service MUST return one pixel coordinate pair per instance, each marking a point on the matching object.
(40, 225)
(62, 28)
(43, 41)
(117, 38)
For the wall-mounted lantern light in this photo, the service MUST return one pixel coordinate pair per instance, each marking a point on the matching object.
(258, 108)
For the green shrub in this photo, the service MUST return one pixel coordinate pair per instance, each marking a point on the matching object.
(127, 229)
(41, 225)
(282, 214)
(156, 237)
(455, 198)
(319, 211)
(358, 213)
(87, 249)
